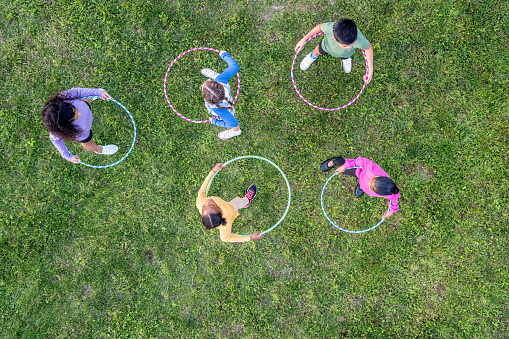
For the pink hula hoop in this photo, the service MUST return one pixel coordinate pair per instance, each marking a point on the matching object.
(329, 109)
(166, 76)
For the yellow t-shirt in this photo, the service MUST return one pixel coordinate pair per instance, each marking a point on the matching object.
(229, 213)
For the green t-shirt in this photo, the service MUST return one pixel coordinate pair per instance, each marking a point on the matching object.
(331, 46)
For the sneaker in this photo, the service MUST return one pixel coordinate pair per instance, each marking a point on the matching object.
(227, 134)
(108, 149)
(207, 72)
(251, 193)
(358, 191)
(306, 62)
(347, 65)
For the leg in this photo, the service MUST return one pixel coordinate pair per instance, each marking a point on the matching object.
(239, 203)
(316, 51)
(340, 161)
(91, 146)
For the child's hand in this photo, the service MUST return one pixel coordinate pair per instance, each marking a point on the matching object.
(75, 159)
(387, 214)
(105, 96)
(221, 53)
(218, 167)
(368, 77)
(256, 236)
(340, 169)
(299, 46)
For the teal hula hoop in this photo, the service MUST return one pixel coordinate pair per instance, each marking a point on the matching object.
(333, 223)
(280, 171)
(134, 137)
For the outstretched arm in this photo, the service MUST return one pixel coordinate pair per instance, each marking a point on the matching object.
(302, 42)
(232, 69)
(60, 146)
(369, 56)
(203, 188)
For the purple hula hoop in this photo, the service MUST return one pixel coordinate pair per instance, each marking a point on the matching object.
(166, 76)
(329, 109)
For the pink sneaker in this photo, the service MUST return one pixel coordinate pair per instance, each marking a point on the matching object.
(251, 193)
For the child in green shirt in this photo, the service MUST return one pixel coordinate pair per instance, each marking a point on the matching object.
(341, 40)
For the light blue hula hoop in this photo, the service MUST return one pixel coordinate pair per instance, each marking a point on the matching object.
(332, 222)
(280, 171)
(134, 138)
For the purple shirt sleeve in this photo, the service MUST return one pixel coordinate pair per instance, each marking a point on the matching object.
(78, 92)
(232, 69)
(60, 145)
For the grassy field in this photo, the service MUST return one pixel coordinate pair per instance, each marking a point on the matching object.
(122, 253)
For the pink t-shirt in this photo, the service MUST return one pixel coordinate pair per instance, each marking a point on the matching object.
(368, 169)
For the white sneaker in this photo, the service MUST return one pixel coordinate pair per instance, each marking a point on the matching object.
(306, 62)
(209, 73)
(227, 134)
(347, 65)
(108, 149)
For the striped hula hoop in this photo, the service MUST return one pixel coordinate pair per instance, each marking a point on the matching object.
(166, 76)
(134, 137)
(329, 109)
(333, 223)
(280, 171)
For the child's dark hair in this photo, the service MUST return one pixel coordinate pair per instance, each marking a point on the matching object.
(345, 31)
(213, 220)
(58, 116)
(385, 186)
(213, 93)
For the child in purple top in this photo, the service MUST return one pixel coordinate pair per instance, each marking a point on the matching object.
(68, 118)
(372, 179)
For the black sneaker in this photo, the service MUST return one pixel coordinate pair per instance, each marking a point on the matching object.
(251, 193)
(325, 165)
(358, 191)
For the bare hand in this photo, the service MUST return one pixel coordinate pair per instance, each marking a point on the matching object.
(75, 159)
(340, 169)
(387, 214)
(105, 96)
(221, 52)
(299, 46)
(218, 167)
(256, 236)
(368, 77)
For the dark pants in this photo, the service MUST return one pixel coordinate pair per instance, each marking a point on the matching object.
(340, 161)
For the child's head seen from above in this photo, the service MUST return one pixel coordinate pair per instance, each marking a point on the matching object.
(213, 93)
(212, 216)
(345, 32)
(384, 186)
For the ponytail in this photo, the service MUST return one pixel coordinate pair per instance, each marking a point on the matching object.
(213, 220)
(213, 93)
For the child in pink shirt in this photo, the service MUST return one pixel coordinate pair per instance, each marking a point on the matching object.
(373, 180)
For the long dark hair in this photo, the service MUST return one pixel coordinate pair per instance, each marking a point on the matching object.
(58, 116)
(385, 186)
(213, 220)
(213, 93)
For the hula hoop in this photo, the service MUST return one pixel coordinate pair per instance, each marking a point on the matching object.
(166, 76)
(332, 222)
(134, 137)
(329, 109)
(280, 171)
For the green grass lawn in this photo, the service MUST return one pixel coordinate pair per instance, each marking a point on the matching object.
(121, 252)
